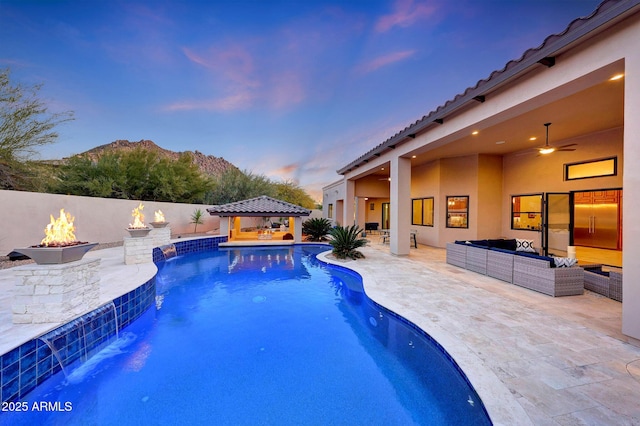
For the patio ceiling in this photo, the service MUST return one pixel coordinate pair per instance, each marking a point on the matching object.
(587, 106)
(598, 108)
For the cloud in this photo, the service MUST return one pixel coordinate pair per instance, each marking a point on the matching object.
(232, 102)
(233, 64)
(405, 14)
(286, 171)
(385, 60)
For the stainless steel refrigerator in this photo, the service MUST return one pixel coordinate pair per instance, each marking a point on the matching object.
(596, 222)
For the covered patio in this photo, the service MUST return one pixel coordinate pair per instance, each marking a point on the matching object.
(273, 220)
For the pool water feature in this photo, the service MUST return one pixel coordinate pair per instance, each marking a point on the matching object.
(261, 336)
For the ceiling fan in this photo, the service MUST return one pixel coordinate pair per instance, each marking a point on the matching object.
(548, 149)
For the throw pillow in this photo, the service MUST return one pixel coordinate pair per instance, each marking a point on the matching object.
(564, 262)
(525, 245)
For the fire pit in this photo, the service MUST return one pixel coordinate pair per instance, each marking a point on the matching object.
(138, 228)
(59, 244)
(158, 221)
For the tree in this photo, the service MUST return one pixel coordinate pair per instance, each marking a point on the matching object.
(196, 219)
(136, 175)
(235, 185)
(290, 192)
(25, 122)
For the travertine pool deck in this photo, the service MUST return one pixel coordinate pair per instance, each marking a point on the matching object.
(532, 358)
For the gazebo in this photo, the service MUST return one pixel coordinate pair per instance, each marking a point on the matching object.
(260, 207)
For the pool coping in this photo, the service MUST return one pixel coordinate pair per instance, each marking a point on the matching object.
(500, 403)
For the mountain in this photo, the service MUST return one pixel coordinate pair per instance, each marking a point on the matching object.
(208, 164)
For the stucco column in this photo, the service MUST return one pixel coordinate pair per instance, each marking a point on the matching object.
(224, 226)
(348, 218)
(400, 205)
(297, 228)
(631, 204)
(360, 212)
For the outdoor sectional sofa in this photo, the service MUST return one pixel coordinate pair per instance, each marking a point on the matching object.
(500, 259)
(607, 283)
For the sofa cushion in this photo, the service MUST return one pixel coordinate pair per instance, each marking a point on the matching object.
(525, 245)
(503, 244)
(537, 256)
(502, 250)
(564, 262)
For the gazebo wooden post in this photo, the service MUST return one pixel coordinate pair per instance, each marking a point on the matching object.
(237, 226)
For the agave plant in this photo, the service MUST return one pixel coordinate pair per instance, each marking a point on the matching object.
(316, 229)
(345, 241)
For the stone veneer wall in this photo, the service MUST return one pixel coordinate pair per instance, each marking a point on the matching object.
(137, 250)
(30, 364)
(55, 293)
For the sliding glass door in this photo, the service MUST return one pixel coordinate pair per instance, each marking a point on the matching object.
(556, 234)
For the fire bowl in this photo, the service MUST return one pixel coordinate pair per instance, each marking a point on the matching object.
(56, 255)
(159, 224)
(138, 232)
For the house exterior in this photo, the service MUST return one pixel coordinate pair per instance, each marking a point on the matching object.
(469, 169)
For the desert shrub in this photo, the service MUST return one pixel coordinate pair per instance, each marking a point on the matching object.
(316, 229)
(345, 242)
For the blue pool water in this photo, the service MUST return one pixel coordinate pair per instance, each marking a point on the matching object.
(260, 336)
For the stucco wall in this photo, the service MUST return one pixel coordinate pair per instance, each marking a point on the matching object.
(25, 215)
(489, 204)
(425, 182)
(458, 176)
(530, 173)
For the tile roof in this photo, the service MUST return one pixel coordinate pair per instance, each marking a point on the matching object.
(259, 206)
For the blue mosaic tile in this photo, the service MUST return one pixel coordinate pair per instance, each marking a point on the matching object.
(10, 357)
(29, 360)
(10, 390)
(27, 381)
(11, 372)
(29, 365)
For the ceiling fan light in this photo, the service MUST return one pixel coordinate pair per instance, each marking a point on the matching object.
(545, 151)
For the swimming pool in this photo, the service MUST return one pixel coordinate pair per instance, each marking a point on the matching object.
(261, 336)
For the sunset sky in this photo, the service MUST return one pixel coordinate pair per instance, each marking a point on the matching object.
(287, 89)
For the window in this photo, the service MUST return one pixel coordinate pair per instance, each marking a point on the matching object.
(526, 212)
(422, 211)
(458, 211)
(590, 169)
(330, 212)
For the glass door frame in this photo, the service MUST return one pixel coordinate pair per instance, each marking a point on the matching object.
(545, 219)
(386, 218)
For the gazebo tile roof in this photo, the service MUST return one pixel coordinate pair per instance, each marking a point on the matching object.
(259, 206)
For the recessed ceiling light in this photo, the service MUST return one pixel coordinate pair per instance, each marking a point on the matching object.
(616, 77)
(499, 142)
(382, 168)
(413, 156)
(532, 138)
(475, 132)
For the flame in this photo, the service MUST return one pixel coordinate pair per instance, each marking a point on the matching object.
(159, 216)
(138, 218)
(59, 231)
